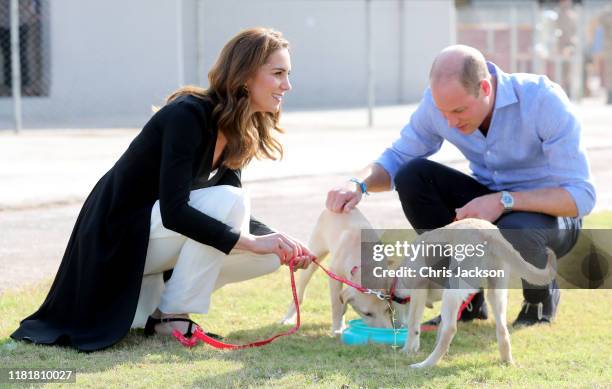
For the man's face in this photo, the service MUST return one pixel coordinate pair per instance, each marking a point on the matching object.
(462, 109)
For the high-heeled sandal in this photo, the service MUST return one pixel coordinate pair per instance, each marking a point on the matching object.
(149, 329)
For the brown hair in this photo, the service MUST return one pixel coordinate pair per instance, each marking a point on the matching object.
(248, 135)
(473, 71)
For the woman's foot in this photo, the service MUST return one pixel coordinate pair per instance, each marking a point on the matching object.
(167, 325)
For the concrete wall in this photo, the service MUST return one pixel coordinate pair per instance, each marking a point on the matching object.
(111, 60)
(328, 41)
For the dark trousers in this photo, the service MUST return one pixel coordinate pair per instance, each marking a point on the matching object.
(430, 192)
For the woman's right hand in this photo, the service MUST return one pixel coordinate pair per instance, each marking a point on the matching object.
(284, 246)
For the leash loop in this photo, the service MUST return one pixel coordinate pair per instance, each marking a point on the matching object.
(200, 335)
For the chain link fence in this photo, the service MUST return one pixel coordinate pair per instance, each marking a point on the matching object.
(34, 80)
(22, 47)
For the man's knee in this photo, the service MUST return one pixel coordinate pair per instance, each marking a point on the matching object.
(529, 240)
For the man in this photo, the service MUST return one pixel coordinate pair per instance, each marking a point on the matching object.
(530, 171)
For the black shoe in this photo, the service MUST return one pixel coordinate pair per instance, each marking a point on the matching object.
(149, 329)
(539, 313)
(476, 309)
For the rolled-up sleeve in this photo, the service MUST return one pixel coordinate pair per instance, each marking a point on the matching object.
(560, 130)
(417, 139)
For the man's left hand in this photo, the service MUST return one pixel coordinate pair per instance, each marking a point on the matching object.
(487, 207)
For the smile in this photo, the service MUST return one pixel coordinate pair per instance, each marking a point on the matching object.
(277, 97)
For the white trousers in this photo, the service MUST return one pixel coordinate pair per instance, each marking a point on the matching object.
(198, 269)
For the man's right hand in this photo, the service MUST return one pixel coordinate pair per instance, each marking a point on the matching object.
(343, 199)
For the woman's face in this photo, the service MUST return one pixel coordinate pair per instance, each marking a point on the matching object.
(268, 86)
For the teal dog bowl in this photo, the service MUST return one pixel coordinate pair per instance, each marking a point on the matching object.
(359, 333)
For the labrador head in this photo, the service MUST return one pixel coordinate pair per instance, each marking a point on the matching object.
(373, 311)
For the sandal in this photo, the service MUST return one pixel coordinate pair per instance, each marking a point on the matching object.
(152, 322)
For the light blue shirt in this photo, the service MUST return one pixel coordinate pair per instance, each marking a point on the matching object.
(534, 140)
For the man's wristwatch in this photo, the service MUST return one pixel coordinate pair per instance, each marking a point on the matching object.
(507, 201)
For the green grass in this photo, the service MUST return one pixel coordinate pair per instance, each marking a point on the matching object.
(599, 220)
(576, 351)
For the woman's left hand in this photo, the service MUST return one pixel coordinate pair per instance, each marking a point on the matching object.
(304, 256)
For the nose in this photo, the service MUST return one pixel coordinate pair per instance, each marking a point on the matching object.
(452, 121)
(286, 85)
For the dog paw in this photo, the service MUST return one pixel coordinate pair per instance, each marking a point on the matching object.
(420, 365)
(337, 332)
(508, 362)
(412, 347)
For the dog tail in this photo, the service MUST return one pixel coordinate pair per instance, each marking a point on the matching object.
(496, 243)
(518, 265)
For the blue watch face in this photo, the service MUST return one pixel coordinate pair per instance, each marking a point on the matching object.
(507, 200)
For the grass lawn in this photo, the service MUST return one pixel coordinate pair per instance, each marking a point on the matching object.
(576, 351)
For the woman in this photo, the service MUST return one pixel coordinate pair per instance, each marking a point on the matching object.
(173, 201)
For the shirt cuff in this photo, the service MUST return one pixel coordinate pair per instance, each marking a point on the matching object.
(584, 201)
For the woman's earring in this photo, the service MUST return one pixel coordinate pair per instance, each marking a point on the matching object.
(246, 89)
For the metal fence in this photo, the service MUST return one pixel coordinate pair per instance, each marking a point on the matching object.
(21, 44)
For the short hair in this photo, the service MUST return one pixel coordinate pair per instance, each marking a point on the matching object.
(472, 70)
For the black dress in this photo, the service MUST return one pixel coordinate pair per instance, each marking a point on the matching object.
(93, 299)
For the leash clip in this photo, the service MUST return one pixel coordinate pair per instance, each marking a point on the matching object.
(380, 295)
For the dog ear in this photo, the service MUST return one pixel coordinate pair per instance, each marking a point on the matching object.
(345, 296)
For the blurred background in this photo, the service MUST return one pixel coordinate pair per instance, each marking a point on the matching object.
(101, 64)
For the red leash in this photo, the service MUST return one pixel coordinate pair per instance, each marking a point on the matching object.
(360, 288)
(198, 334)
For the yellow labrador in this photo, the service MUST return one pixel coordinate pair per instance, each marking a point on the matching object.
(500, 255)
(340, 236)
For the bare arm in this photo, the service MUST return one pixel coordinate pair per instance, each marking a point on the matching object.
(284, 246)
(345, 197)
(550, 201)
(376, 178)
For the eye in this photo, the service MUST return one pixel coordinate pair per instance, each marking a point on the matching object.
(368, 314)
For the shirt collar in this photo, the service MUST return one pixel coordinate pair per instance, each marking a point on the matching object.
(505, 94)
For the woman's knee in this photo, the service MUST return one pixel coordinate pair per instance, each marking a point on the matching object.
(226, 203)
